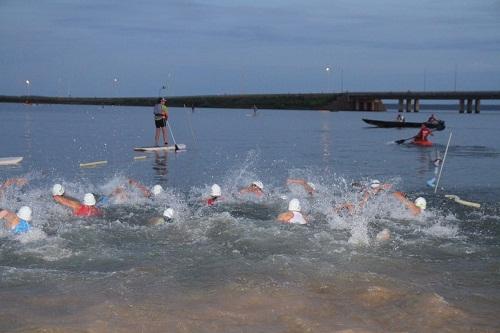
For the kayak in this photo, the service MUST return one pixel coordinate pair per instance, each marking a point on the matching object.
(425, 143)
(439, 125)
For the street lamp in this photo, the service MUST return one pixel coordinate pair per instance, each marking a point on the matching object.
(28, 87)
(329, 70)
(159, 90)
(115, 84)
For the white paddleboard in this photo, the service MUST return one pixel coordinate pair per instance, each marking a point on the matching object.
(181, 146)
(10, 160)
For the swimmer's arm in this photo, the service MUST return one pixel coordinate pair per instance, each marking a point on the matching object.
(410, 205)
(10, 217)
(145, 191)
(285, 217)
(71, 203)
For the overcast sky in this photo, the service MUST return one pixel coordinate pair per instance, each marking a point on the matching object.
(229, 46)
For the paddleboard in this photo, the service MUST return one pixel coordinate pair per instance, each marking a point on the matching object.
(92, 164)
(10, 160)
(162, 148)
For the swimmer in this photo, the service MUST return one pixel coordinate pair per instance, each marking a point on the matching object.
(17, 223)
(168, 217)
(416, 207)
(155, 190)
(383, 236)
(308, 187)
(87, 208)
(256, 187)
(375, 188)
(10, 182)
(293, 215)
(215, 195)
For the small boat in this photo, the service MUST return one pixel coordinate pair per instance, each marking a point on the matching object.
(425, 143)
(439, 125)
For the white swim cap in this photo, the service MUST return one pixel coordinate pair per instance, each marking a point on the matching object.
(375, 184)
(168, 213)
(216, 191)
(294, 205)
(421, 203)
(312, 186)
(157, 189)
(89, 199)
(259, 184)
(24, 213)
(57, 189)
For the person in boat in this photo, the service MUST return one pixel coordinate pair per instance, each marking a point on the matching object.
(432, 119)
(416, 207)
(87, 208)
(161, 117)
(400, 118)
(167, 217)
(10, 182)
(422, 134)
(17, 223)
(308, 186)
(215, 195)
(293, 215)
(256, 188)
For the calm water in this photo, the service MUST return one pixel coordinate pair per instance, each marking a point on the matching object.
(232, 268)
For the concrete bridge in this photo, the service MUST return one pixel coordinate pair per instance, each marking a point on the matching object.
(409, 101)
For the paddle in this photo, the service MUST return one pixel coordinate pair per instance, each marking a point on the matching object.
(172, 133)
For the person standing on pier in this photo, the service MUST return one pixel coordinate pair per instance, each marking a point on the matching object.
(161, 117)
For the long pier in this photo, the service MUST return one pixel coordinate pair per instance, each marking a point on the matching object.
(408, 101)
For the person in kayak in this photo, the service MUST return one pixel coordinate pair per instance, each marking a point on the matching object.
(293, 215)
(308, 187)
(17, 223)
(422, 134)
(10, 182)
(215, 195)
(161, 117)
(432, 119)
(256, 188)
(416, 207)
(87, 208)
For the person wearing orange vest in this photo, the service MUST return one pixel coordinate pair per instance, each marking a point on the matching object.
(423, 133)
(87, 208)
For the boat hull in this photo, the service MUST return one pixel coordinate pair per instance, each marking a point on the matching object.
(439, 126)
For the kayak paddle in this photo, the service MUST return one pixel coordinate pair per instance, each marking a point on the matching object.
(171, 133)
(403, 140)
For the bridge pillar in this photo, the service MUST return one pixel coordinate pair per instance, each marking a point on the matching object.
(356, 104)
(400, 107)
(478, 105)
(416, 105)
(365, 108)
(408, 105)
(469, 105)
(461, 105)
(371, 105)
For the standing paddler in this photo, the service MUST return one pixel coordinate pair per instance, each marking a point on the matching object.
(161, 117)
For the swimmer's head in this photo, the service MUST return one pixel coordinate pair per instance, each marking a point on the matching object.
(384, 235)
(157, 189)
(89, 199)
(294, 205)
(215, 191)
(168, 213)
(24, 213)
(259, 184)
(375, 184)
(421, 203)
(57, 189)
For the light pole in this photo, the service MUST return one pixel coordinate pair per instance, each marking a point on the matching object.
(115, 84)
(159, 90)
(328, 70)
(28, 87)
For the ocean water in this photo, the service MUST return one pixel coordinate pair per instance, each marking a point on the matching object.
(232, 267)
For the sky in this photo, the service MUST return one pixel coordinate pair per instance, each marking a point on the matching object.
(109, 48)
